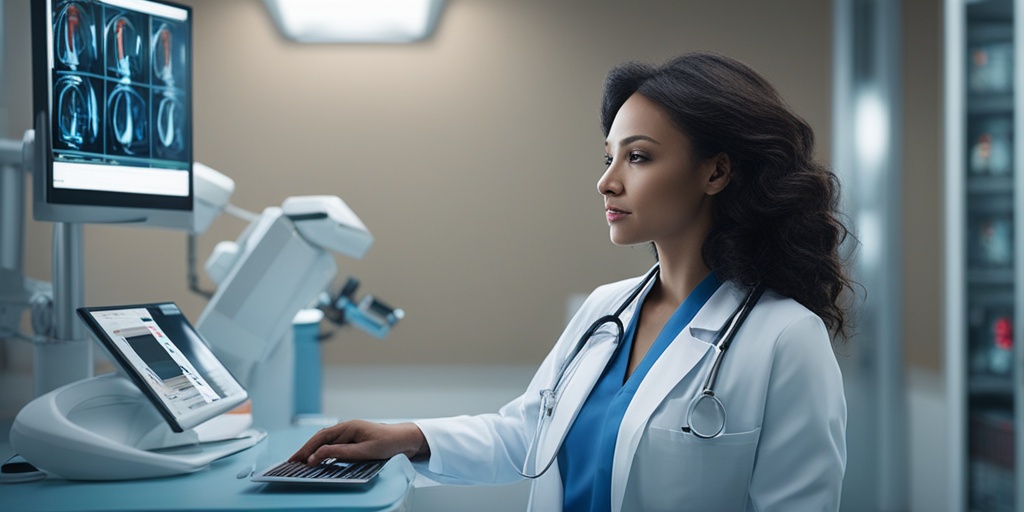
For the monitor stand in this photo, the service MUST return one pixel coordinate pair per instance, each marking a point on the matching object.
(105, 428)
(64, 354)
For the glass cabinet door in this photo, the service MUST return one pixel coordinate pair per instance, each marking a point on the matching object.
(985, 356)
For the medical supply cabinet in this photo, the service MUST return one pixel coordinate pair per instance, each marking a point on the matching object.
(984, 252)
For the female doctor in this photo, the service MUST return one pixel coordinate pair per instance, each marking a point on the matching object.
(706, 162)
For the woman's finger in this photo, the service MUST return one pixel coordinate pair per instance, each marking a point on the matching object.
(349, 452)
(329, 435)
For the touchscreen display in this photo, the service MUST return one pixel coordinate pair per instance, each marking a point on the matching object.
(165, 356)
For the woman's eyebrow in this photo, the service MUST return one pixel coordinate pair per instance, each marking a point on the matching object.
(633, 138)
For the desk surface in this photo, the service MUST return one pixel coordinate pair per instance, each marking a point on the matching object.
(216, 488)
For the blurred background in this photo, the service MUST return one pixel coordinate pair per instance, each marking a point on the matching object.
(472, 156)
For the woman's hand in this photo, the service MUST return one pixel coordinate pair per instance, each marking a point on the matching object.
(362, 440)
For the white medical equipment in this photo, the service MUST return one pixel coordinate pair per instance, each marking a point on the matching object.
(157, 348)
(146, 176)
(706, 405)
(98, 152)
(278, 266)
(17, 291)
(104, 428)
(161, 415)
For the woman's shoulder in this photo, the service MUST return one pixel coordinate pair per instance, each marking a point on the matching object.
(787, 308)
(775, 316)
(789, 323)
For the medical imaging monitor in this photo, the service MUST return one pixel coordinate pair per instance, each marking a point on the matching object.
(157, 347)
(112, 107)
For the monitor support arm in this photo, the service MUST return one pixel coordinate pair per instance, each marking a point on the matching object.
(14, 290)
(62, 354)
(61, 351)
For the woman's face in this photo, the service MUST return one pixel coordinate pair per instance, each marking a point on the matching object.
(654, 188)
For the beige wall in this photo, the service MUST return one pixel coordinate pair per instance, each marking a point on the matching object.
(923, 264)
(472, 157)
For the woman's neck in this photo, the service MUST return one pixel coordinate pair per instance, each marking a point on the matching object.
(680, 273)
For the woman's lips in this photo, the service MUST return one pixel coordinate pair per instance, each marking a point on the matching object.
(615, 214)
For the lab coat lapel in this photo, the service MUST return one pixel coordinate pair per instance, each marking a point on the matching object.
(581, 381)
(593, 360)
(678, 362)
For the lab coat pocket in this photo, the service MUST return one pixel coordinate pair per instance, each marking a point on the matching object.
(677, 471)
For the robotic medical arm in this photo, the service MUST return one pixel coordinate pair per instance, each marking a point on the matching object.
(280, 264)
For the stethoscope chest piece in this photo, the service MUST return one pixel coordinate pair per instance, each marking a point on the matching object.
(706, 417)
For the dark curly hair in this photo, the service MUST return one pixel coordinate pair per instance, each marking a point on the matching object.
(777, 222)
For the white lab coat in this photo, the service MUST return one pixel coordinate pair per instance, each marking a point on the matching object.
(784, 446)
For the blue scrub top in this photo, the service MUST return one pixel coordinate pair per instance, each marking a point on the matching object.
(585, 460)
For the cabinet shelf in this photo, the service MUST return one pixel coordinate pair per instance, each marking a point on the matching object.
(989, 19)
(992, 204)
(991, 386)
(982, 184)
(990, 276)
(989, 103)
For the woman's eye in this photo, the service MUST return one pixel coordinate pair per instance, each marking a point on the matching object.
(633, 157)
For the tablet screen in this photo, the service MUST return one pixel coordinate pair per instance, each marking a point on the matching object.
(166, 357)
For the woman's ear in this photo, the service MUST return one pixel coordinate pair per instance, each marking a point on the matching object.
(720, 175)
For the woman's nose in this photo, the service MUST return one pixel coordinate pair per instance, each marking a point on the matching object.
(609, 185)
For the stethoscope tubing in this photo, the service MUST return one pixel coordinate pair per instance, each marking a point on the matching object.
(725, 336)
(707, 397)
(597, 324)
(549, 396)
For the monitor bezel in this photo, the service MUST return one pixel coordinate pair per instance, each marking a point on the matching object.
(178, 423)
(86, 206)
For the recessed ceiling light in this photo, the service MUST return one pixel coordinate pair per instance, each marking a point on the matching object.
(355, 21)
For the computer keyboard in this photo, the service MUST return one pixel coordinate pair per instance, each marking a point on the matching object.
(328, 471)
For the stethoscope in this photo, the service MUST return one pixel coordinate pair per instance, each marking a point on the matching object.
(706, 414)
